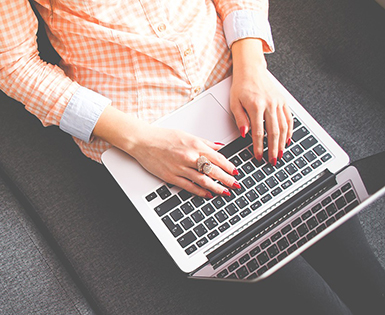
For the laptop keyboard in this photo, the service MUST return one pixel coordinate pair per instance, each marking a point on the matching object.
(292, 235)
(194, 221)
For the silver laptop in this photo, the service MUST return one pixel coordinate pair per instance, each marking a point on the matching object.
(278, 212)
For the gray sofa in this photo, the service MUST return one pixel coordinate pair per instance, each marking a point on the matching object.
(72, 243)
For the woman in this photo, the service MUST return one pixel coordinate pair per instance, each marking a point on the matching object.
(128, 63)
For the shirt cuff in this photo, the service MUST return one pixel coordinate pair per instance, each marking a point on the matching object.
(248, 24)
(82, 113)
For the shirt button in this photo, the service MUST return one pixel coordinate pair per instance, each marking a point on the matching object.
(197, 89)
(161, 27)
(187, 52)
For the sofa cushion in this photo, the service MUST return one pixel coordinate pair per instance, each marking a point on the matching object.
(32, 279)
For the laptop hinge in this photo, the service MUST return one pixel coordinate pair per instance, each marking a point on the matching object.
(271, 220)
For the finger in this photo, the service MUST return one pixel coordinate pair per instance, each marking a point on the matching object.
(241, 118)
(206, 182)
(282, 131)
(272, 129)
(191, 187)
(290, 123)
(257, 134)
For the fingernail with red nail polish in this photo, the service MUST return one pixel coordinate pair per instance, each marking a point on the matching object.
(235, 172)
(243, 131)
(236, 185)
(259, 158)
(226, 193)
(209, 196)
(219, 143)
(288, 142)
(280, 154)
(273, 161)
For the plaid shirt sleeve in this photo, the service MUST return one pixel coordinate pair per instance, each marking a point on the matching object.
(43, 88)
(245, 19)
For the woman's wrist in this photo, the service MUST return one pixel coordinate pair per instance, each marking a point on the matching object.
(248, 57)
(121, 130)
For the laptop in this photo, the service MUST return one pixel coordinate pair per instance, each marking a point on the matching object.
(279, 212)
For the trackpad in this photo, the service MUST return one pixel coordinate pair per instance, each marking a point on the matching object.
(204, 118)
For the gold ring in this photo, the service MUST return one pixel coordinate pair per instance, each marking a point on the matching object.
(204, 165)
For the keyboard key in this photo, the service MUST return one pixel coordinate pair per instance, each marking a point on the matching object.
(276, 191)
(286, 184)
(223, 274)
(263, 258)
(326, 201)
(268, 169)
(211, 223)
(306, 215)
(262, 189)
(312, 223)
(151, 196)
(248, 182)
(197, 201)
(163, 192)
(276, 237)
(273, 251)
(236, 161)
(291, 169)
(336, 194)
(241, 202)
(296, 222)
(251, 195)
(310, 156)
(266, 198)
(242, 272)
(291, 249)
(287, 156)
(350, 196)
(184, 195)
(167, 205)
(316, 164)
(213, 234)
(252, 265)
(229, 198)
(311, 235)
(257, 163)
(187, 223)
(272, 263)
(308, 142)
(221, 216)
(235, 146)
(351, 206)
(231, 209)
(202, 242)
(281, 256)
(248, 168)
(299, 134)
(302, 229)
(265, 244)
(187, 207)
(223, 227)
(208, 209)
(176, 215)
(321, 216)
(316, 208)
(191, 249)
(346, 187)
(300, 162)
(218, 202)
(235, 219)
(200, 230)
(296, 150)
(271, 182)
(283, 243)
(255, 251)
(232, 276)
(245, 212)
(258, 176)
(281, 175)
(326, 157)
(331, 209)
(243, 259)
(197, 216)
(256, 205)
(175, 229)
(292, 237)
(233, 266)
(296, 122)
(262, 270)
(187, 239)
(240, 175)
(296, 177)
(321, 228)
(306, 171)
(301, 242)
(245, 155)
(286, 229)
(330, 221)
(319, 150)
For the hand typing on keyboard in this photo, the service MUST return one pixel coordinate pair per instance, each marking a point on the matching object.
(172, 156)
(255, 99)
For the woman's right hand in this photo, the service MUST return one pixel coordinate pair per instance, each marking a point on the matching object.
(169, 154)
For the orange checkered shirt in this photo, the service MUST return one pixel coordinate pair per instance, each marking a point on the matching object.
(144, 57)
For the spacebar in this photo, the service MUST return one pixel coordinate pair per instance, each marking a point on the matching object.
(235, 146)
